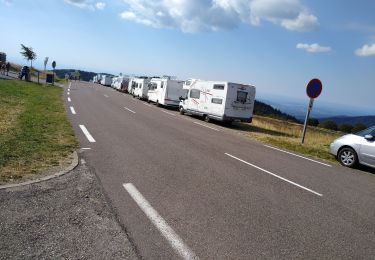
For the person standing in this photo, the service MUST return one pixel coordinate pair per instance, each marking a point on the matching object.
(7, 66)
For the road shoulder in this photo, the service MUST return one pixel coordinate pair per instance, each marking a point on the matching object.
(66, 217)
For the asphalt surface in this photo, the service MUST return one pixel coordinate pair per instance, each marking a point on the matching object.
(224, 195)
(63, 218)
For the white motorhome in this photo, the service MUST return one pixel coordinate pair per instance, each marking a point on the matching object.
(106, 80)
(120, 83)
(165, 91)
(139, 87)
(219, 100)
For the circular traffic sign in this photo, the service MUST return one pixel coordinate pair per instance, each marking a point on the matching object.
(314, 88)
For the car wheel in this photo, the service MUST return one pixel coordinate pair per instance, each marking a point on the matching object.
(182, 111)
(348, 157)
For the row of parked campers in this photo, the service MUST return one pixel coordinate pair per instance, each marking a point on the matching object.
(218, 100)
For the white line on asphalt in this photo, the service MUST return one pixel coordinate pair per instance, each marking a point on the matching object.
(86, 148)
(73, 111)
(207, 126)
(69, 100)
(87, 134)
(277, 149)
(146, 104)
(68, 93)
(169, 113)
(275, 175)
(106, 96)
(70, 84)
(174, 240)
(129, 110)
(83, 161)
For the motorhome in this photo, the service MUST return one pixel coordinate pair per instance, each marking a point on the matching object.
(106, 80)
(165, 91)
(120, 83)
(139, 87)
(219, 100)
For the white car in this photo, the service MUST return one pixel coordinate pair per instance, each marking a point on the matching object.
(355, 148)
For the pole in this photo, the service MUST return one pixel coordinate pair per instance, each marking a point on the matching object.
(307, 119)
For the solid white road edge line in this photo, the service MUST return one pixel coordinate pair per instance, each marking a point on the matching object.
(277, 149)
(166, 112)
(73, 111)
(70, 84)
(129, 110)
(106, 96)
(69, 100)
(86, 148)
(207, 126)
(275, 175)
(87, 134)
(169, 234)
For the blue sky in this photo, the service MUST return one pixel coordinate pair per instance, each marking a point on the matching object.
(277, 45)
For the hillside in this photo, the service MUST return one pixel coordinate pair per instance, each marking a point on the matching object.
(263, 109)
(85, 75)
(351, 120)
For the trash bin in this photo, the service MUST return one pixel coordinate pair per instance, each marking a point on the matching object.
(50, 78)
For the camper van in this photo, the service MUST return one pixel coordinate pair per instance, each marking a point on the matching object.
(120, 83)
(123, 84)
(165, 91)
(106, 80)
(219, 100)
(139, 87)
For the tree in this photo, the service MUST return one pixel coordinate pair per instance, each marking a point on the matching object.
(358, 127)
(28, 53)
(331, 125)
(45, 62)
(346, 128)
(313, 122)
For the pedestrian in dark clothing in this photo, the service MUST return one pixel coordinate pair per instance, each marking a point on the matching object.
(7, 66)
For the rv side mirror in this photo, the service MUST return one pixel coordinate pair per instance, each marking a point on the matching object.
(181, 98)
(369, 137)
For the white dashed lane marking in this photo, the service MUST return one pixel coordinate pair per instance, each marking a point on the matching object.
(73, 110)
(87, 134)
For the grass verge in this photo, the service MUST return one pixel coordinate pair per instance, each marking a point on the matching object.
(35, 133)
(287, 135)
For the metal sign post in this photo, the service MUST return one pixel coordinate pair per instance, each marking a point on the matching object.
(313, 90)
(307, 119)
(53, 66)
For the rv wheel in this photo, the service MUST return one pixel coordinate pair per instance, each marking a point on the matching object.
(157, 103)
(182, 111)
(207, 119)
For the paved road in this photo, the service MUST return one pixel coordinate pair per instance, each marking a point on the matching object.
(184, 188)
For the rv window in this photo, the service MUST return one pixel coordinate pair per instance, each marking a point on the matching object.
(152, 86)
(217, 101)
(220, 87)
(195, 93)
(241, 96)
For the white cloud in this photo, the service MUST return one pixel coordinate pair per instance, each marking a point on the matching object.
(366, 50)
(212, 15)
(100, 5)
(313, 48)
(87, 4)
